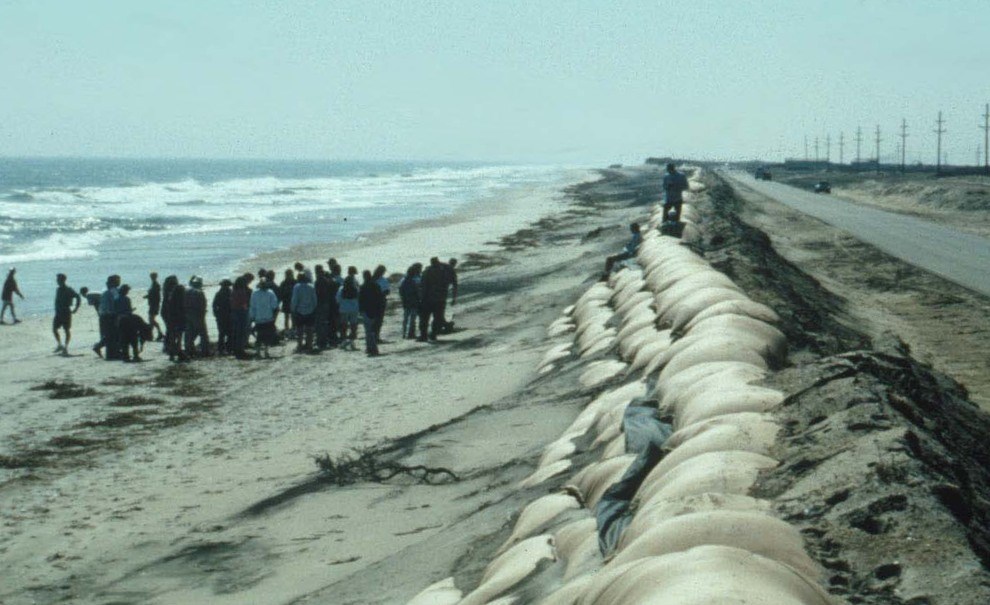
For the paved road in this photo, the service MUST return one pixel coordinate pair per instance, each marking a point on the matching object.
(960, 257)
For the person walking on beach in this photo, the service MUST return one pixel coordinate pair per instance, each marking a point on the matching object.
(195, 309)
(386, 287)
(321, 285)
(304, 310)
(240, 301)
(628, 252)
(285, 296)
(450, 282)
(221, 314)
(433, 297)
(64, 295)
(674, 185)
(263, 312)
(371, 305)
(409, 295)
(347, 302)
(154, 298)
(9, 290)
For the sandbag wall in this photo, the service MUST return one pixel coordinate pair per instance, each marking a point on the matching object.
(668, 329)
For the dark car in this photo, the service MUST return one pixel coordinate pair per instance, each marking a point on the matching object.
(763, 174)
(823, 187)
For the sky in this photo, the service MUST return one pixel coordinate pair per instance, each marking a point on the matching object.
(557, 81)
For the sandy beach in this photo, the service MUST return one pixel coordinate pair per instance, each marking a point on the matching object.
(196, 483)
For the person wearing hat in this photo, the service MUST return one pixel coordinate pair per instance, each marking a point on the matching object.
(221, 313)
(195, 309)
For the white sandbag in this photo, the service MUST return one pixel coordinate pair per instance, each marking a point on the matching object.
(658, 510)
(441, 593)
(615, 447)
(629, 345)
(538, 513)
(543, 473)
(633, 302)
(599, 346)
(569, 593)
(586, 557)
(554, 353)
(619, 396)
(690, 296)
(558, 450)
(690, 234)
(716, 350)
(649, 351)
(568, 538)
(704, 575)
(755, 532)
(560, 330)
(599, 372)
(747, 307)
(568, 310)
(711, 378)
(721, 323)
(718, 472)
(594, 479)
(636, 324)
(510, 568)
(628, 290)
(744, 399)
(756, 438)
(760, 425)
(675, 384)
(654, 363)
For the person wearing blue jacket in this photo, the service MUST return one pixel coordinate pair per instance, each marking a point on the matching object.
(304, 311)
(628, 252)
(674, 185)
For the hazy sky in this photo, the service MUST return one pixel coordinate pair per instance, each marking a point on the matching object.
(557, 81)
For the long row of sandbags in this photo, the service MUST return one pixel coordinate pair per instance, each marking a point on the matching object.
(674, 330)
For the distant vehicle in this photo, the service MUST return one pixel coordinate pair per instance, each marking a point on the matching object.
(763, 174)
(823, 187)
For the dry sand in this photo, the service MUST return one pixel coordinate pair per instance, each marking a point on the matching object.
(206, 491)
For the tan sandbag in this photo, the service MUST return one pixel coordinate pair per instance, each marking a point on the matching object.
(510, 568)
(755, 532)
(758, 438)
(568, 310)
(704, 575)
(558, 352)
(560, 330)
(599, 347)
(586, 557)
(556, 451)
(718, 472)
(758, 424)
(675, 384)
(654, 363)
(543, 473)
(744, 399)
(569, 593)
(594, 479)
(658, 510)
(691, 297)
(620, 278)
(636, 324)
(600, 372)
(594, 337)
(568, 538)
(628, 290)
(690, 233)
(674, 290)
(747, 307)
(606, 401)
(633, 302)
(629, 345)
(729, 321)
(441, 593)
(616, 447)
(726, 377)
(649, 351)
(732, 339)
(716, 350)
(538, 513)
(597, 291)
(591, 318)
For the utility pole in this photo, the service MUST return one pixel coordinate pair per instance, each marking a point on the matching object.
(816, 149)
(904, 136)
(878, 148)
(939, 130)
(977, 155)
(805, 148)
(842, 145)
(859, 142)
(986, 138)
(828, 148)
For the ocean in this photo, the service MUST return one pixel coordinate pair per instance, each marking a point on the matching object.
(90, 218)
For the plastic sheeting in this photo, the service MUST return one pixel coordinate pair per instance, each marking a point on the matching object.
(645, 436)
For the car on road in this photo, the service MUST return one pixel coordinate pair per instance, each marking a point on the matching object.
(763, 174)
(823, 187)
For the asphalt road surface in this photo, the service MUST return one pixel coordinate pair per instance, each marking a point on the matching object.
(960, 257)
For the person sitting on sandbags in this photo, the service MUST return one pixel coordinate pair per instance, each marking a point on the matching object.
(627, 253)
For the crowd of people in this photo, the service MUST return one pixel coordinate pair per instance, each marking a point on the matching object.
(321, 307)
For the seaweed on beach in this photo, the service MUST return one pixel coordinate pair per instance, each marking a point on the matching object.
(59, 389)
(128, 401)
(182, 381)
(362, 465)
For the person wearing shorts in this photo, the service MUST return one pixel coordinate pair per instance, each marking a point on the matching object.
(64, 295)
(9, 290)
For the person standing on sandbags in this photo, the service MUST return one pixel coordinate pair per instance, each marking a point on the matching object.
(674, 185)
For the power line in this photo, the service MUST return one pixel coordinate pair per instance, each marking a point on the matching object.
(842, 145)
(904, 136)
(859, 142)
(828, 148)
(878, 148)
(939, 130)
